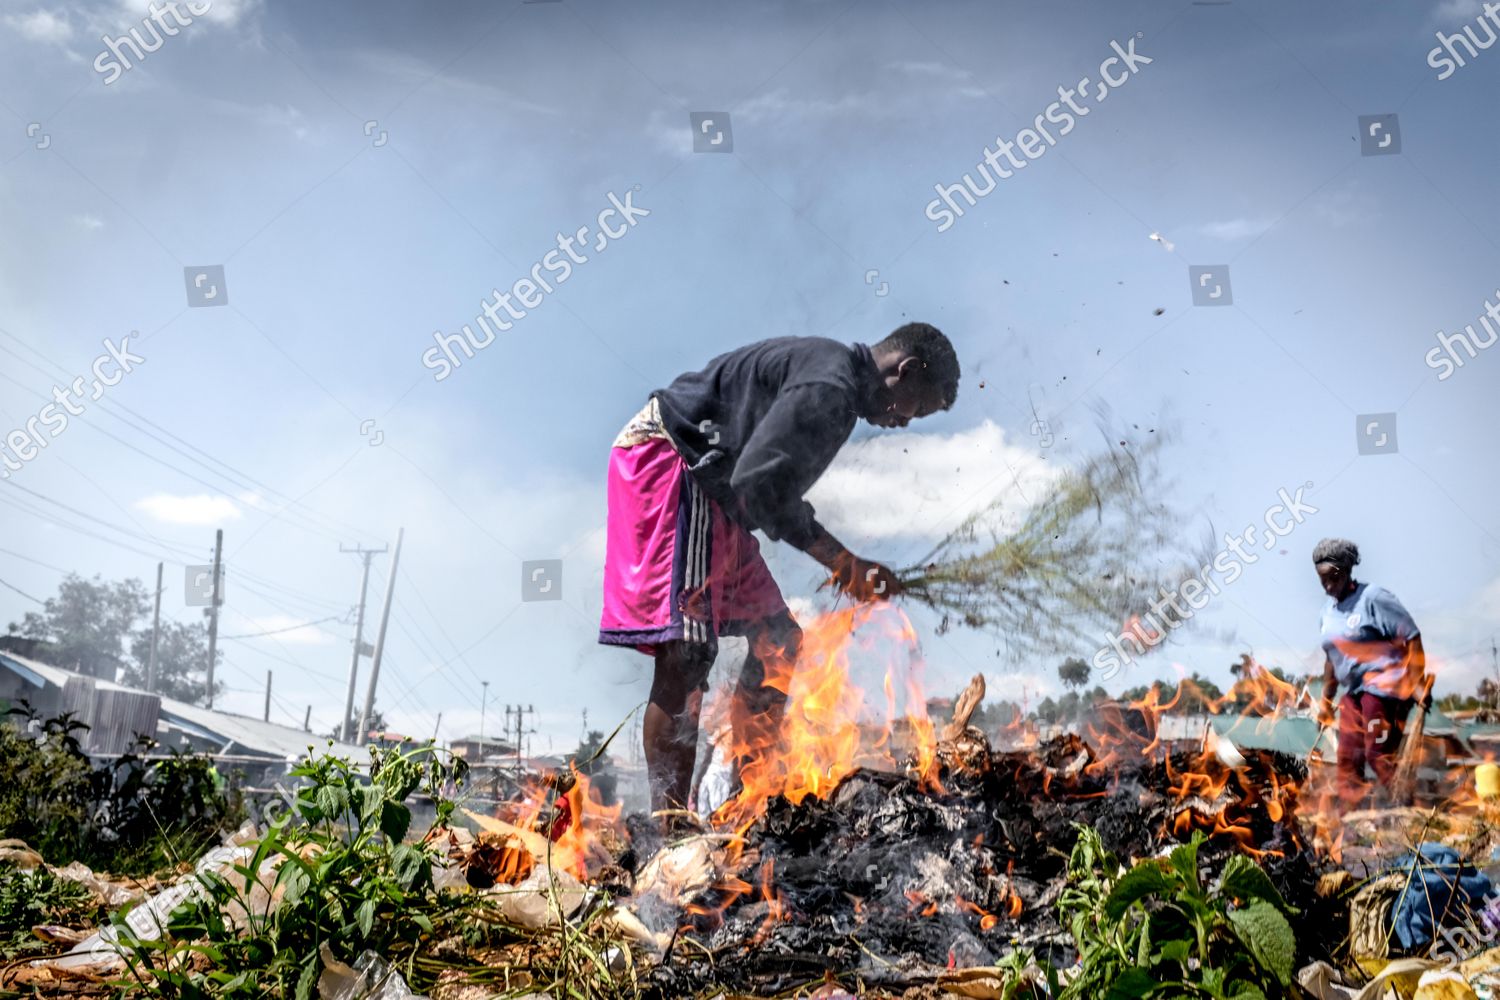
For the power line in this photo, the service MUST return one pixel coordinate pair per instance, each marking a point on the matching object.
(317, 522)
(22, 592)
(278, 631)
(55, 569)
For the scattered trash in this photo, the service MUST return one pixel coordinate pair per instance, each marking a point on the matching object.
(149, 919)
(19, 853)
(530, 903)
(370, 978)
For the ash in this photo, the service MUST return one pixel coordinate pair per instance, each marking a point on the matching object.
(892, 878)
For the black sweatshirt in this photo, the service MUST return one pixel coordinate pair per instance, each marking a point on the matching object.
(759, 425)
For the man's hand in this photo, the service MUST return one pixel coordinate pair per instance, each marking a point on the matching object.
(861, 579)
(1326, 715)
(865, 580)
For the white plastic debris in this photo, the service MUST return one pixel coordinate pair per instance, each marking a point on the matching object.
(148, 921)
(530, 903)
(370, 978)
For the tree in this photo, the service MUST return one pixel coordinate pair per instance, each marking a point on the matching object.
(88, 623)
(597, 766)
(1074, 673)
(181, 662)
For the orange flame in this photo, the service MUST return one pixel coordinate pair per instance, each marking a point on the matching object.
(827, 729)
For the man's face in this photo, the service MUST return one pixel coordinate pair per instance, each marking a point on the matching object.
(1335, 579)
(907, 397)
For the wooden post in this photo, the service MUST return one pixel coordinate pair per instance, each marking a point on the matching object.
(155, 636)
(213, 613)
(385, 620)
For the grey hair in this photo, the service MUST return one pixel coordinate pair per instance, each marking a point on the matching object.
(1339, 551)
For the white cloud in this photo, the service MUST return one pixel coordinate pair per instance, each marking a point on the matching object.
(1450, 11)
(87, 221)
(198, 510)
(915, 485)
(1236, 229)
(224, 13)
(41, 25)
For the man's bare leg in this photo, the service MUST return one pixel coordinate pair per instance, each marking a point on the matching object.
(670, 727)
(758, 710)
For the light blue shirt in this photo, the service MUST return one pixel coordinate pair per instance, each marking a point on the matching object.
(1365, 636)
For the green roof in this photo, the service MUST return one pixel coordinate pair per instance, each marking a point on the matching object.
(1294, 736)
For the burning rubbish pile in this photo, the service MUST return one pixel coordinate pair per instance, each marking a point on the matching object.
(896, 878)
(872, 849)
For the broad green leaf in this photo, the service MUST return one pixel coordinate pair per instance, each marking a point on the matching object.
(308, 981)
(420, 919)
(1175, 951)
(327, 799)
(1245, 991)
(410, 867)
(395, 819)
(1265, 932)
(1244, 879)
(1131, 985)
(365, 917)
(296, 881)
(1145, 879)
(1184, 861)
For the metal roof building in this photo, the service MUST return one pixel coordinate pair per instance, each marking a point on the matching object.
(116, 715)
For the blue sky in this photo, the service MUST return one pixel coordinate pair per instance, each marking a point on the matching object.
(243, 142)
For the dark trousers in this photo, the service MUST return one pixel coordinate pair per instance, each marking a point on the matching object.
(1369, 733)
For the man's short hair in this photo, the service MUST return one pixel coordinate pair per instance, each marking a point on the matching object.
(1339, 551)
(928, 345)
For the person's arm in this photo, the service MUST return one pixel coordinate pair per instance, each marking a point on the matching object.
(1330, 688)
(1416, 667)
(1397, 624)
(791, 447)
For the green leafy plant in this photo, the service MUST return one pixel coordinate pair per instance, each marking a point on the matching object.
(131, 815)
(1157, 930)
(32, 898)
(334, 871)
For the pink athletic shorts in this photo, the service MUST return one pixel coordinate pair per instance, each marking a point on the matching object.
(675, 565)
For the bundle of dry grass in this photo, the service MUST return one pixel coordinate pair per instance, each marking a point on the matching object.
(1094, 551)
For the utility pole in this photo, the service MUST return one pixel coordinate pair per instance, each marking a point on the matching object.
(385, 620)
(359, 636)
(213, 612)
(484, 700)
(155, 636)
(1495, 666)
(436, 726)
(266, 715)
(519, 712)
(307, 720)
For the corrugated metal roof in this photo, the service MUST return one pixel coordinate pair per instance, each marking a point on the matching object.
(235, 733)
(1296, 735)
